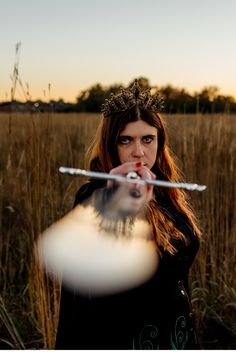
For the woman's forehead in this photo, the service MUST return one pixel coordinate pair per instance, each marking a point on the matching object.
(139, 127)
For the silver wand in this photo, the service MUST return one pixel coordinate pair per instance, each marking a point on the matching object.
(131, 177)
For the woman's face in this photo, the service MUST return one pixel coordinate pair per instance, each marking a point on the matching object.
(138, 142)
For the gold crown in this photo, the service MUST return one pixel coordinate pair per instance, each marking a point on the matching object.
(131, 97)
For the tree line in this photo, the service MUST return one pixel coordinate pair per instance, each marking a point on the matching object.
(177, 100)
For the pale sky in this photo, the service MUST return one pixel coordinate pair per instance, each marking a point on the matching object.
(74, 44)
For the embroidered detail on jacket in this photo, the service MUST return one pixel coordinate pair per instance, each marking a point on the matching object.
(148, 338)
(179, 339)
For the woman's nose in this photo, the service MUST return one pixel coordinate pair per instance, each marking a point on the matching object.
(138, 150)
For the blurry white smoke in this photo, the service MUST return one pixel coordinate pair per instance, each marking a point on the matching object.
(93, 261)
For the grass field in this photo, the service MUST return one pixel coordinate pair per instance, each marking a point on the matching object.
(33, 194)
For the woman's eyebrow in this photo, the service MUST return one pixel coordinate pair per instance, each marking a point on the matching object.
(149, 135)
(130, 136)
(125, 136)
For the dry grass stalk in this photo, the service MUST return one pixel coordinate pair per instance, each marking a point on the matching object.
(6, 319)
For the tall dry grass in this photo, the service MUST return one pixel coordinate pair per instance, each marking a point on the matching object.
(206, 149)
(33, 195)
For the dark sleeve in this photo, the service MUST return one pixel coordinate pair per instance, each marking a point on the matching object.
(86, 191)
(64, 337)
(97, 194)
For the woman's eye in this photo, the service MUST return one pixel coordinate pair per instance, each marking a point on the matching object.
(147, 139)
(123, 141)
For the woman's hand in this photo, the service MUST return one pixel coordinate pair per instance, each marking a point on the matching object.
(141, 170)
(123, 199)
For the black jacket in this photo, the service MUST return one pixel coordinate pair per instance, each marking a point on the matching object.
(155, 315)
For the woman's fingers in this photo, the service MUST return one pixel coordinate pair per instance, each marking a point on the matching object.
(138, 167)
(124, 169)
(127, 167)
(145, 191)
(145, 173)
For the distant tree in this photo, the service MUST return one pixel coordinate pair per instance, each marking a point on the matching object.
(177, 100)
(206, 99)
(92, 99)
(224, 104)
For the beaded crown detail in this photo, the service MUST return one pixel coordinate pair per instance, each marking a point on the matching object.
(128, 98)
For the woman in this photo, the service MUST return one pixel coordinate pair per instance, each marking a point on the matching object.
(157, 314)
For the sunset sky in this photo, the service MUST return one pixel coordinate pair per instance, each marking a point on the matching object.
(74, 44)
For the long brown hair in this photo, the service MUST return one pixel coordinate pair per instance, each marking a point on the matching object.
(168, 202)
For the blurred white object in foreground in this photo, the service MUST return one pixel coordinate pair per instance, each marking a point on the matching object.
(93, 261)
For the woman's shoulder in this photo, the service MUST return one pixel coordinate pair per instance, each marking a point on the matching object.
(86, 190)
